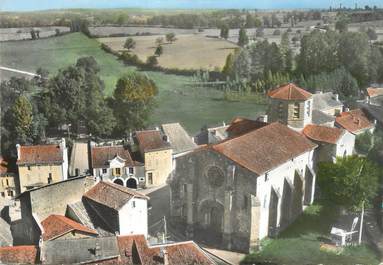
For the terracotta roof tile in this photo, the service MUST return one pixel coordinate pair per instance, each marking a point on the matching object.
(289, 92)
(3, 166)
(101, 155)
(241, 126)
(323, 133)
(19, 255)
(40, 154)
(58, 225)
(354, 121)
(266, 148)
(374, 91)
(151, 140)
(135, 247)
(112, 195)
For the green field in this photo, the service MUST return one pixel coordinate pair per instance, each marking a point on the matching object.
(177, 101)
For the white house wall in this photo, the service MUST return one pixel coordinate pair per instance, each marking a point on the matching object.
(133, 217)
(345, 145)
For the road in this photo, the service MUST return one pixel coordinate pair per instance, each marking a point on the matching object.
(3, 68)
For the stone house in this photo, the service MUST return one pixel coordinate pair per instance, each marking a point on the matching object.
(211, 135)
(237, 192)
(115, 164)
(7, 181)
(327, 103)
(39, 165)
(38, 203)
(178, 138)
(156, 154)
(374, 96)
(332, 142)
(123, 211)
(355, 121)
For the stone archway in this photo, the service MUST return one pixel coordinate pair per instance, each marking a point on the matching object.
(131, 183)
(119, 182)
(210, 218)
(287, 197)
(273, 213)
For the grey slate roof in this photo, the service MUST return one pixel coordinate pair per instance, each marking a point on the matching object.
(87, 216)
(319, 117)
(178, 138)
(376, 112)
(377, 100)
(325, 101)
(71, 251)
(5, 234)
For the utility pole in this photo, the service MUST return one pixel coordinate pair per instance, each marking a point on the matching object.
(165, 231)
(361, 225)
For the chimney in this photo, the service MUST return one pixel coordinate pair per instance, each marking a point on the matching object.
(336, 97)
(18, 151)
(164, 254)
(263, 118)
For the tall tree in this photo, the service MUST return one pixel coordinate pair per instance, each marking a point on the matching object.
(22, 118)
(170, 37)
(159, 51)
(243, 39)
(133, 101)
(224, 34)
(351, 182)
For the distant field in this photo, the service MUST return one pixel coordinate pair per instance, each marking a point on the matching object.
(7, 34)
(188, 52)
(177, 101)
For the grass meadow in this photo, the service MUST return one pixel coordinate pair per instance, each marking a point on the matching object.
(177, 101)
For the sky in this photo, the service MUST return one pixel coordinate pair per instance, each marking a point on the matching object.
(29, 5)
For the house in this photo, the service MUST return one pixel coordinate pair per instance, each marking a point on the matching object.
(211, 135)
(290, 105)
(115, 164)
(79, 159)
(374, 112)
(178, 138)
(245, 188)
(156, 154)
(41, 164)
(39, 203)
(7, 181)
(355, 121)
(374, 96)
(19, 255)
(332, 142)
(61, 227)
(129, 250)
(327, 103)
(123, 210)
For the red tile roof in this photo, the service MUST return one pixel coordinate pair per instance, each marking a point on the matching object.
(135, 247)
(40, 154)
(374, 91)
(101, 155)
(18, 255)
(354, 121)
(3, 166)
(112, 195)
(151, 140)
(241, 126)
(266, 148)
(289, 92)
(325, 134)
(58, 225)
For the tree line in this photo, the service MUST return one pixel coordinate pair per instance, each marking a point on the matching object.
(338, 61)
(73, 97)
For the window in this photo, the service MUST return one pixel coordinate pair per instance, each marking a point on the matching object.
(133, 204)
(104, 170)
(77, 171)
(7, 181)
(245, 202)
(185, 188)
(10, 193)
(2, 194)
(150, 178)
(296, 111)
(118, 171)
(280, 110)
(29, 167)
(308, 108)
(266, 177)
(49, 178)
(131, 170)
